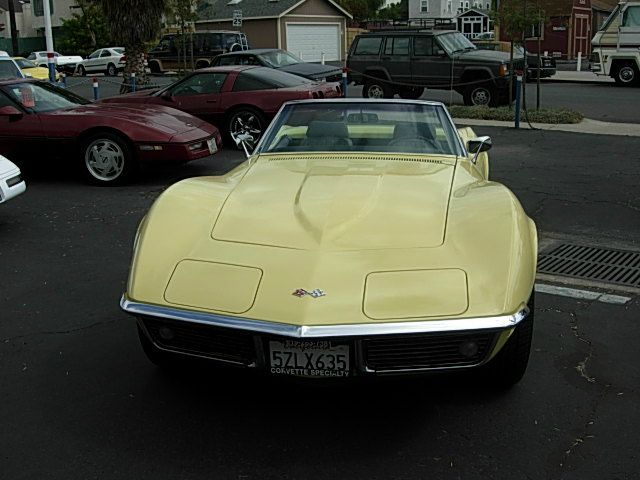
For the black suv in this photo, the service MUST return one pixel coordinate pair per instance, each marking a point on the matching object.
(168, 54)
(405, 62)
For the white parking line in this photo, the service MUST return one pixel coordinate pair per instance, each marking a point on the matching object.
(581, 294)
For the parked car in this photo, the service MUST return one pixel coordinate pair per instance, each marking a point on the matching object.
(362, 238)
(238, 99)
(283, 61)
(107, 141)
(30, 69)
(3, 53)
(11, 182)
(547, 68)
(9, 68)
(169, 53)
(405, 62)
(109, 61)
(64, 63)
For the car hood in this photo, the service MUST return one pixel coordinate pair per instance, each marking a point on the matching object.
(484, 56)
(169, 120)
(339, 202)
(310, 70)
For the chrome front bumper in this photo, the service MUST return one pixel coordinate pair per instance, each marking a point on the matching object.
(326, 331)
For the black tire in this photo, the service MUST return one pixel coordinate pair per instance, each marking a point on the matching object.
(253, 120)
(81, 71)
(154, 67)
(107, 159)
(411, 93)
(508, 366)
(626, 74)
(111, 71)
(480, 94)
(376, 88)
(202, 64)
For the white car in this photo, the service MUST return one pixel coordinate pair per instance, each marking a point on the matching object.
(9, 68)
(105, 60)
(63, 63)
(3, 53)
(11, 182)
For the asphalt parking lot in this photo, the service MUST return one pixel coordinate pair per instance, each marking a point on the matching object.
(80, 400)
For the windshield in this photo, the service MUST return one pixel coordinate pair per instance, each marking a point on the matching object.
(42, 97)
(455, 42)
(24, 63)
(610, 18)
(8, 69)
(362, 127)
(279, 58)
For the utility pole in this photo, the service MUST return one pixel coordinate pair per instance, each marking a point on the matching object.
(14, 30)
(48, 35)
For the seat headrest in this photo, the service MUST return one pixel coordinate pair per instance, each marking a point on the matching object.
(327, 129)
(412, 130)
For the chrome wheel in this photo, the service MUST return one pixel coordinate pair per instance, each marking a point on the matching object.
(246, 122)
(627, 74)
(375, 91)
(104, 160)
(481, 96)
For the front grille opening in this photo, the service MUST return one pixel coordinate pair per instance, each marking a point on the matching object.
(620, 267)
(426, 351)
(214, 342)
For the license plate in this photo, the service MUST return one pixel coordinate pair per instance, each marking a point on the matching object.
(211, 143)
(321, 358)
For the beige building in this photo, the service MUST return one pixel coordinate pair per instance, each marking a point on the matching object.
(311, 29)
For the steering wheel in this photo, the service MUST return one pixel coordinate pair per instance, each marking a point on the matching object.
(417, 141)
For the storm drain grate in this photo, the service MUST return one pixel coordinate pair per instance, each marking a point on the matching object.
(621, 267)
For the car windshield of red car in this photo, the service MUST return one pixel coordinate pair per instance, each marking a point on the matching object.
(42, 97)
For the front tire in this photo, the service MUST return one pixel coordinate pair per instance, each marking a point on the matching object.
(480, 95)
(508, 366)
(376, 88)
(626, 75)
(107, 159)
(245, 120)
(112, 71)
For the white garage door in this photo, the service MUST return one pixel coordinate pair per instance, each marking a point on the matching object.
(310, 40)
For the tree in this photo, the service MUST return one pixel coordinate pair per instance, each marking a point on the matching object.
(84, 31)
(395, 11)
(132, 23)
(362, 9)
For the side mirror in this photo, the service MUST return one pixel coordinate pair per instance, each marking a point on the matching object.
(246, 141)
(479, 145)
(10, 111)
(167, 97)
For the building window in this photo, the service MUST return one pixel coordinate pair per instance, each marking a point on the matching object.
(424, 6)
(38, 7)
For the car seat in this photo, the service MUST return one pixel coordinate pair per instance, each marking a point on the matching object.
(323, 135)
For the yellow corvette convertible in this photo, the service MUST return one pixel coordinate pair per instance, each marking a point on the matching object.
(360, 238)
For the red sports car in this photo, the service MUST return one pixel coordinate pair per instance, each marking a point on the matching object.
(109, 141)
(238, 99)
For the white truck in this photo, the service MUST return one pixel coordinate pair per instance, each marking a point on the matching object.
(616, 46)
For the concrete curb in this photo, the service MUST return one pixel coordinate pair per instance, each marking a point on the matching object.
(577, 80)
(587, 126)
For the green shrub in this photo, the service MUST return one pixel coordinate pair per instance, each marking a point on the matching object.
(546, 115)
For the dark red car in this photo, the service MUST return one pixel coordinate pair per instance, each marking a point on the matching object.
(238, 99)
(40, 122)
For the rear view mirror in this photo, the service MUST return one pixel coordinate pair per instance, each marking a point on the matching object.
(10, 111)
(478, 145)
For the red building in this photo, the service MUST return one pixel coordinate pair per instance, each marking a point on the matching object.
(567, 30)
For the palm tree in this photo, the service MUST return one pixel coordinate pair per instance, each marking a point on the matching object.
(132, 23)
